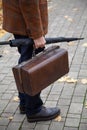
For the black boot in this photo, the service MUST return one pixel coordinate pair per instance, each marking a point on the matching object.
(45, 114)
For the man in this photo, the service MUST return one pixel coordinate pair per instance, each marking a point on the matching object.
(29, 19)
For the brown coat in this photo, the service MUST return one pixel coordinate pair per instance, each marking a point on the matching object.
(25, 17)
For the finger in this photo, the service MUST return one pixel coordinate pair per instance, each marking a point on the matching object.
(42, 45)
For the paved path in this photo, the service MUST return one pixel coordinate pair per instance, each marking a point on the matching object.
(66, 18)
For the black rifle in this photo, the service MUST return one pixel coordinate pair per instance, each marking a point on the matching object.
(26, 41)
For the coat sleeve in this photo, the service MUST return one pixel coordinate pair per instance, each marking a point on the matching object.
(30, 10)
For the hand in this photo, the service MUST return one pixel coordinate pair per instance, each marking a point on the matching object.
(40, 42)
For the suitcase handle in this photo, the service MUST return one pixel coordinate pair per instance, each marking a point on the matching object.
(44, 50)
(37, 51)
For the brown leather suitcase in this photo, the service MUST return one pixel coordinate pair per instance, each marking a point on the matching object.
(39, 72)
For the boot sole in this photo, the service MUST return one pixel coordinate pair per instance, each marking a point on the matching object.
(43, 118)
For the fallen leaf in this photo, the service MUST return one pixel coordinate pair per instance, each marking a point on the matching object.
(16, 99)
(10, 118)
(0, 4)
(66, 16)
(50, 7)
(84, 45)
(5, 51)
(71, 43)
(2, 32)
(63, 79)
(84, 81)
(75, 9)
(72, 80)
(67, 79)
(70, 19)
(59, 118)
(85, 105)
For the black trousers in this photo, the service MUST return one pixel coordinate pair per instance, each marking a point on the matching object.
(32, 103)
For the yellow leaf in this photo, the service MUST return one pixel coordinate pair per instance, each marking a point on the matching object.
(58, 118)
(63, 79)
(71, 43)
(84, 81)
(84, 45)
(50, 7)
(66, 16)
(67, 79)
(5, 51)
(16, 99)
(72, 80)
(75, 9)
(2, 32)
(85, 105)
(70, 19)
(10, 118)
(0, 4)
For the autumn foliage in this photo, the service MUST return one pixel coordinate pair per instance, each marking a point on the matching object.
(2, 32)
